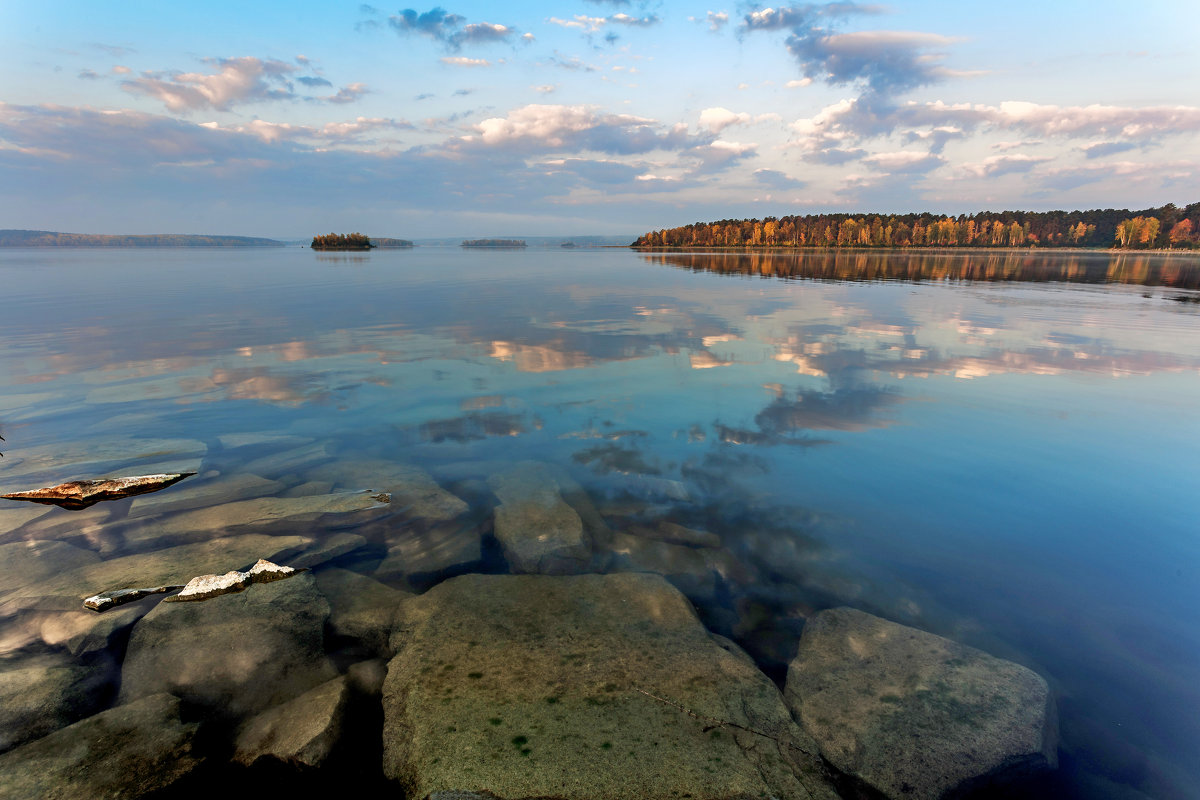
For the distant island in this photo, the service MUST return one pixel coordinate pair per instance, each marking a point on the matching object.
(493, 243)
(1155, 228)
(384, 242)
(22, 238)
(342, 241)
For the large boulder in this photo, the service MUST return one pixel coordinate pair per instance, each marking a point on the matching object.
(914, 715)
(589, 686)
(236, 653)
(127, 752)
(539, 531)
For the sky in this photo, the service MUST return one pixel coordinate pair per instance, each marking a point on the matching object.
(572, 117)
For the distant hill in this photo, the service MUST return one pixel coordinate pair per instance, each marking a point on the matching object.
(494, 243)
(383, 241)
(15, 238)
(586, 240)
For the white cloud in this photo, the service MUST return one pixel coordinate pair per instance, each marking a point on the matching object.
(1003, 165)
(238, 80)
(799, 84)
(463, 61)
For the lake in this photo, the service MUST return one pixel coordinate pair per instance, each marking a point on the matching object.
(1000, 448)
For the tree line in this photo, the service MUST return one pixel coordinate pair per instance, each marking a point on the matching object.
(1155, 228)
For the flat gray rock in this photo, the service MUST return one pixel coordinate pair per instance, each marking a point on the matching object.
(327, 549)
(201, 494)
(90, 456)
(416, 551)
(240, 652)
(300, 732)
(23, 563)
(66, 590)
(339, 509)
(914, 715)
(124, 752)
(414, 493)
(539, 531)
(531, 686)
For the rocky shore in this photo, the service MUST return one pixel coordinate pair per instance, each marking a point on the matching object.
(492, 632)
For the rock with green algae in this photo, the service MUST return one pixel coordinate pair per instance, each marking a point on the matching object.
(914, 715)
(588, 686)
(128, 751)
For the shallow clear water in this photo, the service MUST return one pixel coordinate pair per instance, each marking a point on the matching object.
(1005, 450)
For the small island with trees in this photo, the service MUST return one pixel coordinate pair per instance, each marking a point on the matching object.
(493, 243)
(342, 241)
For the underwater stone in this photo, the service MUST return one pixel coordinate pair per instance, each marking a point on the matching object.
(128, 751)
(914, 715)
(300, 732)
(539, 531)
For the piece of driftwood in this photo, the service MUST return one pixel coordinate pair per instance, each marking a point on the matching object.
(78, 495)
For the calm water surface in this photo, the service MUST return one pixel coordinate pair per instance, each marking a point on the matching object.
(1001, 449)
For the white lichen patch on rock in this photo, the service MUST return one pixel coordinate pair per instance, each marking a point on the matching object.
(203, 587)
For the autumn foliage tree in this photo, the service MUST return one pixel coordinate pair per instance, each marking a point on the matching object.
(1168, 226)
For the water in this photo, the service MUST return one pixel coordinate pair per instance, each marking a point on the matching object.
(998, 448)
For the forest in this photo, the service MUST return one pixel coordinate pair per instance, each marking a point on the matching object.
(342, 241)
(1168, 227)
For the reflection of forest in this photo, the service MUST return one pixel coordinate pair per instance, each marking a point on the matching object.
(1142, 270)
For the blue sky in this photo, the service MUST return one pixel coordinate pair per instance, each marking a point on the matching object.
(584, 116)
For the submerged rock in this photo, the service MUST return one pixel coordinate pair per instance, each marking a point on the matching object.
(913, 715)
(238, 653)
(128, 751)
(362, 609)
(40, 695)
(78, 495)
(300, 732)
(432, 552)
(64, 590)
(205, 493)
(414, 492)
(539, 531)
(98, 455)
(23, 563)
(589, 686)
(339, 509)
